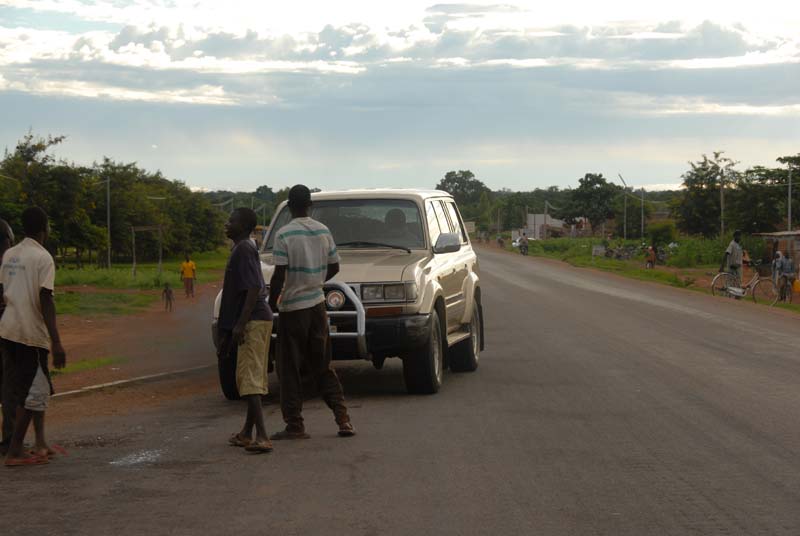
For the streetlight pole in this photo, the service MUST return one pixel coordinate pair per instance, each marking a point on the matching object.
(625, 210)
(108, 221)
(789, 203)
(642, 212)
(722, 203)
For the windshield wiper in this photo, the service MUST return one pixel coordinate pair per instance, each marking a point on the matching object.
(373, 244)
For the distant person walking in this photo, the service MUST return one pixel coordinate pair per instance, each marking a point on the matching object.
(6, 241)
(245, 327)
(168, 296)
(189, 275)
(734, 257)
(305, 258)
(29, 330)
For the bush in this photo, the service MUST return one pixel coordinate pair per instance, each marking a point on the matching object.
(661, 233)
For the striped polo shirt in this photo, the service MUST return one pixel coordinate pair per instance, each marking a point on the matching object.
(306, 248)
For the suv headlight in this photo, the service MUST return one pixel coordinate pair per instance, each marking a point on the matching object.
(390, 292)
(394, 292)
(372, 292)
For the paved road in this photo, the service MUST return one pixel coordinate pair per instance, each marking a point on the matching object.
(601, 406)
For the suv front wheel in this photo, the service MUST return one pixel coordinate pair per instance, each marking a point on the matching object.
(423, 371)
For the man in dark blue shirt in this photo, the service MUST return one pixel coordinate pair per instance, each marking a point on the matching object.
(245, 327)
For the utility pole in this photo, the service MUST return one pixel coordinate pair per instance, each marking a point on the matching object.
(722, 203)
(545, 219)
(108, 221)
(790, 198)
(642, 212)
(625, 210)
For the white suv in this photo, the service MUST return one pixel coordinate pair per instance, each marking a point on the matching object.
(409, 284)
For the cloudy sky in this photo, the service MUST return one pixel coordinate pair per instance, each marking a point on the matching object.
(341, 94)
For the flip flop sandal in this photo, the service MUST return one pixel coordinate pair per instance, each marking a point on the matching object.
(58, 449)
(236, 440)
(260, 447)
(22, 462)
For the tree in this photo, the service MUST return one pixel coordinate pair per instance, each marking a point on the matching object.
(697, 210)
(463, 186)
(592, 199)
(758, 201)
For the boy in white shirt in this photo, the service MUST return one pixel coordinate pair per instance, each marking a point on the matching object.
(29, 332)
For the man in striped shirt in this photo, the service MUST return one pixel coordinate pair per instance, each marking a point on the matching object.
(305, 258)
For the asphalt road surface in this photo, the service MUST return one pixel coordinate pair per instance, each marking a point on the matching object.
(601, 406)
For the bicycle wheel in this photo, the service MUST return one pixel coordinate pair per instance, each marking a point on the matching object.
(721, 283)
(785, 290)
(765, 291)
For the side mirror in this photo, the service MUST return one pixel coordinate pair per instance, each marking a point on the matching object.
(447, 243)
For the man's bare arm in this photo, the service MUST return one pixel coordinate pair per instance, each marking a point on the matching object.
(49, 314)
(333, 269)
(276, 286)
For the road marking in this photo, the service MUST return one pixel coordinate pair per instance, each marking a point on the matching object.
(131, 380)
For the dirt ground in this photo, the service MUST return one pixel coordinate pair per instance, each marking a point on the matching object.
(150, 342)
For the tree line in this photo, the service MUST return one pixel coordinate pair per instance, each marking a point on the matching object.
(714, 194)
(75, 198)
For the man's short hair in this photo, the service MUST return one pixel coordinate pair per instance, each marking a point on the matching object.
(34, 221)
(299, 196)
(249, 218)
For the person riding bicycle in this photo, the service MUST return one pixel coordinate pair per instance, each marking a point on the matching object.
(734, 257)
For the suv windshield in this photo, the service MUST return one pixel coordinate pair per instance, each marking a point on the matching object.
(394, 222)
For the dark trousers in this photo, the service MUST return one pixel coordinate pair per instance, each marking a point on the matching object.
(6, 396)
(304, 344)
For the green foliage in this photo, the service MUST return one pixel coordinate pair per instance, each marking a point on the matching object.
(661, 233)
(209, 264)
(86, 364)
(693, 252)
(592, 199)
(75, 199)
(463, 186)
(96, 303)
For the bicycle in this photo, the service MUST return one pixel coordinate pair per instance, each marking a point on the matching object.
(761, 289)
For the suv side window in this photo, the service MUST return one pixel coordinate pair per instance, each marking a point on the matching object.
(455, 220)
(433, 223)
(444, 225)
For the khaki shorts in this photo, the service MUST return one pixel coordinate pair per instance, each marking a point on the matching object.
(251, 364)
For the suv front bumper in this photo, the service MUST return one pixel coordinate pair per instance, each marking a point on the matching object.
(397, 335)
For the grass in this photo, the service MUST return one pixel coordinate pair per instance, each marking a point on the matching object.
(209, 264)
(82, 366)
(99, 303)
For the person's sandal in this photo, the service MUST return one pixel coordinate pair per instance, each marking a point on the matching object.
(236, 440)
(289, 435)
(259, 447)
(346, 430)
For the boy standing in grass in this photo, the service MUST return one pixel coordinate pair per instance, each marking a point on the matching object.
(6, 241)
(245, 327)
(28, 329)
(189, 275)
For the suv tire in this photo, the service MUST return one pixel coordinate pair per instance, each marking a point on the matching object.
(227, 376)
(423, 371)
(465, 355)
